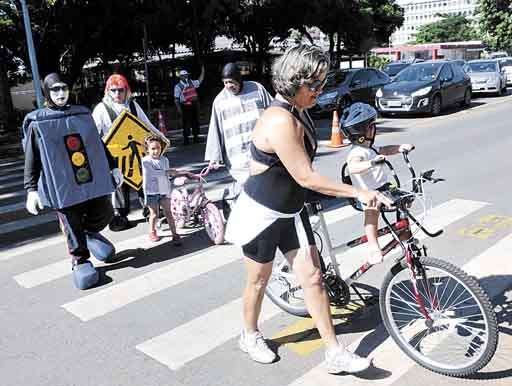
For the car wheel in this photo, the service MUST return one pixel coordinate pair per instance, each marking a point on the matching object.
(467, 98)
(436, 106)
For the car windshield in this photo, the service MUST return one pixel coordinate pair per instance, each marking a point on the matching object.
(393, 69)
(336, 78)
(506, 62)
(482, 67)
(419, 73)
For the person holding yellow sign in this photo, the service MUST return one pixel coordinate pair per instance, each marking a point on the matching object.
(117, 99)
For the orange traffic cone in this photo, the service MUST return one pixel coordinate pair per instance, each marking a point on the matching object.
(336, 136)
(161, 123)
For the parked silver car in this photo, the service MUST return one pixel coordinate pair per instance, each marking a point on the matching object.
(486, 76)
(506, 67)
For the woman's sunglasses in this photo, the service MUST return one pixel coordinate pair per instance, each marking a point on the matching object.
(59, 88)
(117, 90)
(317, 85)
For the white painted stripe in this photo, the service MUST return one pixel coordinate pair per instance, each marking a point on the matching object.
(28, 222)
(10, 163)
(129, 291)
(12, 184)
(197, 338)
(12, 207)
(19, 193)
(387, 356)
(31, 246)
(10, 176)
(11, 169)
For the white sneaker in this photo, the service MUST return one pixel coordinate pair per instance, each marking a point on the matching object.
(256, 347)
(341, 360)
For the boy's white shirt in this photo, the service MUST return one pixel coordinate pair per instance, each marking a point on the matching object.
(373, 178)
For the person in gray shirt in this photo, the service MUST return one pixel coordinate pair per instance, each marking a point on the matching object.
(235, 111)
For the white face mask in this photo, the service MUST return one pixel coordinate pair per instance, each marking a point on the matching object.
(59, 94)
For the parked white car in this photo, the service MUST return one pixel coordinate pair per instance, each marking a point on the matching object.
(506, 67)
(487, 76)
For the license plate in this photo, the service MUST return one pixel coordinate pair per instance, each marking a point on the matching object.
(394, 103)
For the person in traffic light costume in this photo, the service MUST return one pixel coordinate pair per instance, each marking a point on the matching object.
(69, 169)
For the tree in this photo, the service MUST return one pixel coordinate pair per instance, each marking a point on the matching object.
(256, 23)
(452, 28)
(495, 20)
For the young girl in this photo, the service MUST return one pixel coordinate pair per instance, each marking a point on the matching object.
(366, 165)
(157, 187)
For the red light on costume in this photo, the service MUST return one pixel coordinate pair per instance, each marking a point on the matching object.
(73, 142)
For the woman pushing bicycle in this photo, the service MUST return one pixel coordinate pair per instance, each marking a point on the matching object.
(283, 147)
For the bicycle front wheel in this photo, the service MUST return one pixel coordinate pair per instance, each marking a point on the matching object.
(460, 334)
(213, 223)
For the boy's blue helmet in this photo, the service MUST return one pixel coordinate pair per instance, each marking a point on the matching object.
(355, 121)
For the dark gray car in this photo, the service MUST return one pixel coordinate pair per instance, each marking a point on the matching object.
(425, 87)
(344, 87)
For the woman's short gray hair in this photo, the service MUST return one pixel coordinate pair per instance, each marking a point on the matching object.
(297, 66)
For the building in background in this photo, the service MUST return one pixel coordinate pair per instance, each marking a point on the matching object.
(421, 12)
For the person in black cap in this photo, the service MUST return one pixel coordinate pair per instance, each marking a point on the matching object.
(235, 111)
(68, 169)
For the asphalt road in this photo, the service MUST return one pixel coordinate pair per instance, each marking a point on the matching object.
(170, 316)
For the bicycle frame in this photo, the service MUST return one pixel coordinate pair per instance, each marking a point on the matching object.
(400, 231)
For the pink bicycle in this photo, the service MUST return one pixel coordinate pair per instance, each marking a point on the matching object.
(194, 208)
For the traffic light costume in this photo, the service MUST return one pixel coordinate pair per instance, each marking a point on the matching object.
(68, 168)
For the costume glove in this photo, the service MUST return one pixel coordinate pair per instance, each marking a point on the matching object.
(118, 177)
(34, 202)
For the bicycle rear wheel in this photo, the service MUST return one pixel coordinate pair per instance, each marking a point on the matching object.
(284, 289)
(462, 334)
(213, 223)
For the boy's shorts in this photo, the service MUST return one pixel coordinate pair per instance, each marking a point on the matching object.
(359, 205)
(154, 199)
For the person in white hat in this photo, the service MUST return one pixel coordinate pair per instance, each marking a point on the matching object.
(187, 104)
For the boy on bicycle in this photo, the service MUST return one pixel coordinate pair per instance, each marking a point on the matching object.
(366, 165)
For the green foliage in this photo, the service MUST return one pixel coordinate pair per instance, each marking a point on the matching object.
(378, 61)
(449, 29)
(495, 21)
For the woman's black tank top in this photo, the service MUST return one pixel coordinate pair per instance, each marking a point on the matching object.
(275, 188)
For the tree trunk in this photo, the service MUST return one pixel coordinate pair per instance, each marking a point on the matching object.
(331, 46)
(6, 108)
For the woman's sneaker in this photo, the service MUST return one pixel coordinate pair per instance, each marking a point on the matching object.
(341, 360)
(255, 345)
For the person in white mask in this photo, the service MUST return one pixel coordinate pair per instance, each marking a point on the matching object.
(69, 169)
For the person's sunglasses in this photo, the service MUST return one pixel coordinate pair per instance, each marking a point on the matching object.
(59, 88)
(317, 85)
(119, 90)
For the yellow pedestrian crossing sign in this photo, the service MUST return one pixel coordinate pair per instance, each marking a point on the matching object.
(125, 140)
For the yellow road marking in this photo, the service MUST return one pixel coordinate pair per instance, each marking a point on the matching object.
(302, 337)
(486, 227)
